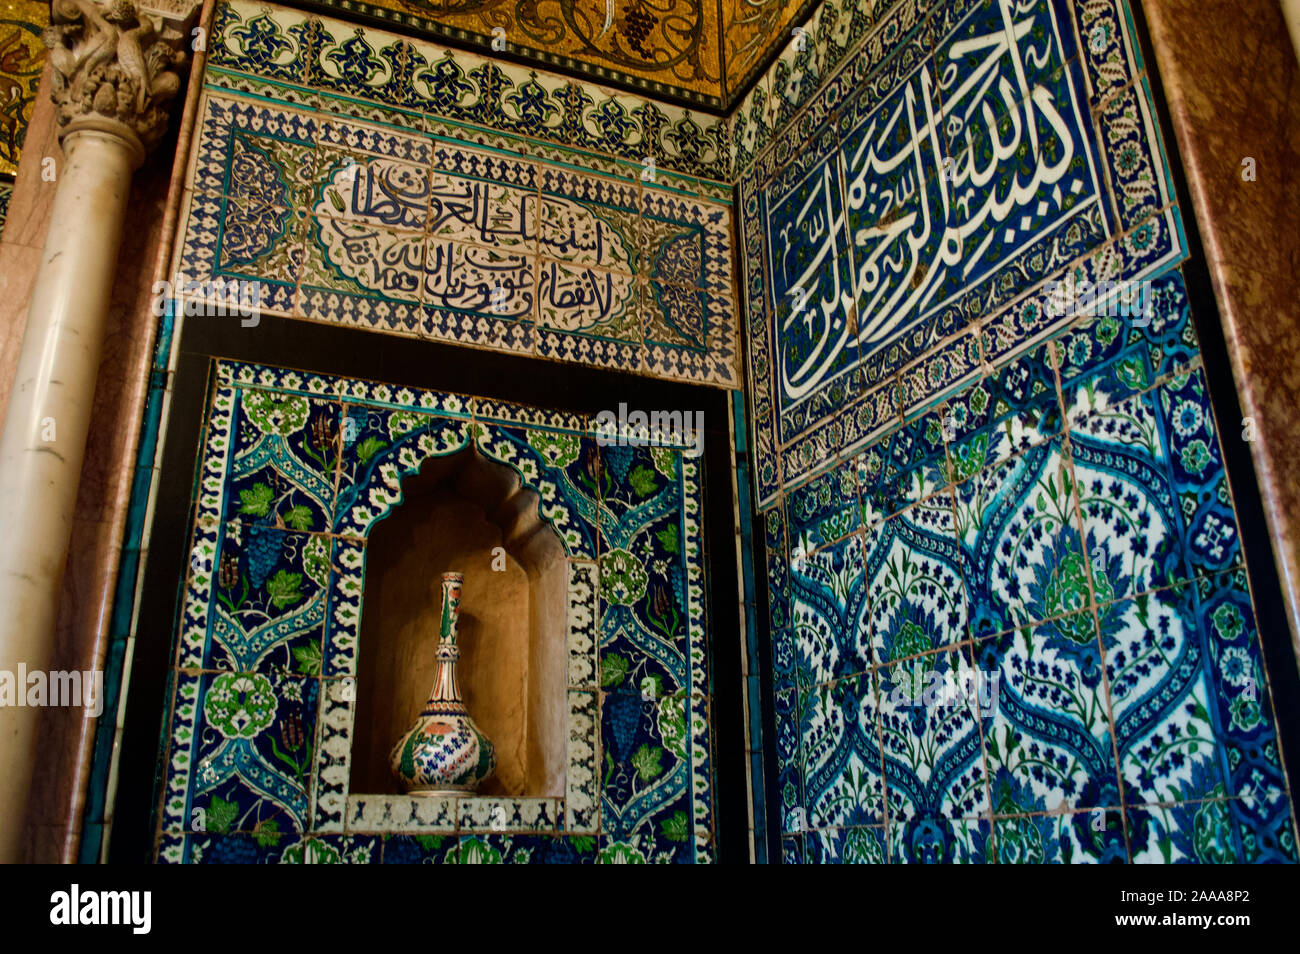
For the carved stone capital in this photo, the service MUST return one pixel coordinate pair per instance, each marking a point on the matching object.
(116, 65)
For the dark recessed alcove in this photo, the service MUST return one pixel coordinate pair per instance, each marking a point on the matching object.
(467, 514)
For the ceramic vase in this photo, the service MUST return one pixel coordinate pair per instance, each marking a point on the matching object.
(444, 753)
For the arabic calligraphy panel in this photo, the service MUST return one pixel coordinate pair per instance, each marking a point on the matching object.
(383, 192)
(588, 300)
(469, 278)
(482, 213)
(927, 225)
(467, 240)
(811, 287)
(960, 167)
(374, 272)
(590, 235)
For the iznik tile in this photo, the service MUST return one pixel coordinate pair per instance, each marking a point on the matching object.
(843, 781)
(930, 740)
(1047, 728)
(913, 572)
(445, 201)
(999, 163)
(297, 469)
(830, 609)
(1022, 556)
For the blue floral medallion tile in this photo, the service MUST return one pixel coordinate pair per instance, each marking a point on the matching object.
(1192, 718)
(1130, 518)
(842, 779)
(1111, 356)
(934, 767)
(1021, 551)
(938, 840)
(1005, 413)
(848, 846)
(913, 572)
(907, 466)
(1047, 733)
(829, 609)
(1088, 837)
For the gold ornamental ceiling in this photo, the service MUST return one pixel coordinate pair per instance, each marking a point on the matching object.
(22, 56)
(704, 53)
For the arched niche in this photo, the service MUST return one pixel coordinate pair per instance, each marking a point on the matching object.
(466, 513)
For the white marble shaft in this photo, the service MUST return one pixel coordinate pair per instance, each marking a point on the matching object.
(53, 389)
(113, 70)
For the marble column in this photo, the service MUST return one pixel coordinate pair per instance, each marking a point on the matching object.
(115, 68)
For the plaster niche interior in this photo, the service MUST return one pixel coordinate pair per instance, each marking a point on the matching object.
(465, 513)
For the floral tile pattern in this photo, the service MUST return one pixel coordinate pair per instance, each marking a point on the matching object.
(296, 470)
(1006, 591)
(1048, 741)
(993, 176)
(486, 238)
(829, 613)
(403, 77)
(1035, 642)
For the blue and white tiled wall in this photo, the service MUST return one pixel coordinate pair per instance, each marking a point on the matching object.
(971, 478)
(296, 469)
(361, 178)
(957, 475)
(393, 185)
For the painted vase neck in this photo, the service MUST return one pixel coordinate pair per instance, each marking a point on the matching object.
(445, 687)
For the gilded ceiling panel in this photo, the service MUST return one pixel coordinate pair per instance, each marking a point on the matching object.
(702, 52)
(22, 56)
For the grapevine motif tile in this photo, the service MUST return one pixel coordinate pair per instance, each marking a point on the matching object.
(271, 589)
(253, 757)
(297, 470)
(285, 457)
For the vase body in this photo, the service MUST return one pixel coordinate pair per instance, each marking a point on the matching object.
(444, 753)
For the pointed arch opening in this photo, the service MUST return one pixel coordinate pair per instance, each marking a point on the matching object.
(466, 513)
